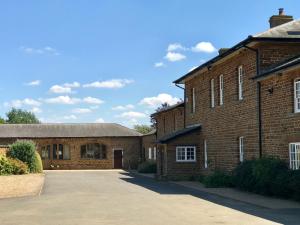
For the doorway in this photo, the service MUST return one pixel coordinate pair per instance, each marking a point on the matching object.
(118, 158)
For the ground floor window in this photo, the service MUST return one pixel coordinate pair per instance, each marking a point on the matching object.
(149, 153)
(154, 153)
(93, 151)
(205, 155)
(241, 148)
(295, 156)
(45, 150)
(61, 151)
(186, 154)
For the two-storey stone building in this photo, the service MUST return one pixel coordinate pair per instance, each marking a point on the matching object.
(242, 104)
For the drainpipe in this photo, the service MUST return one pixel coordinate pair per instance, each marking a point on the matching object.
(184, 98)
(259, 100)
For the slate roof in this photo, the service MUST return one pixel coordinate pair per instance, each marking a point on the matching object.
(178, 133)
(288, 31)
(179, 104)
(295, 61)
(65, 130)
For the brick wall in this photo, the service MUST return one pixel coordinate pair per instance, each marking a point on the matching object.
(223, 124)
(280, 124)
(169, 121)
(130, 145)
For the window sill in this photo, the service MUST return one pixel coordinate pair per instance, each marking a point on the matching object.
(186, 161)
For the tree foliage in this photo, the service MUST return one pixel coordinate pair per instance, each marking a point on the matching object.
(143, 129)
(15, 116)
(2, 121)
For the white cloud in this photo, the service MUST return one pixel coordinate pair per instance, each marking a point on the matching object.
(75, 84)
(91, 100)
(33, 83)
(125, 107)
(70, 117)
(114, 83)
(45, 50)
(173, 56)
(18, 103)
(81, 110)
(156, 101)
(63, 100)
(99, 120)
(36, 110)
(57, 89)
(176, 47)
(159, 64)
(132, 115)
(203, 46)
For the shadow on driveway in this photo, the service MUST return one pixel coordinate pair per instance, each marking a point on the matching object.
(284, 216)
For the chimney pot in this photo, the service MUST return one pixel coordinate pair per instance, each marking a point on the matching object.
(281, 11)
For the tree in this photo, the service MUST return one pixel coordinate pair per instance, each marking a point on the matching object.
(15, 116)
(160, 108)
(143, 129)
(2, 120)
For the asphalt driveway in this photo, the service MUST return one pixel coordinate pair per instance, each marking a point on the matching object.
(116, 197)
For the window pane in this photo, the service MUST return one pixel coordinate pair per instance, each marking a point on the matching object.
(60, 151)
(55, 151)
(96, 149)
(66, 152)
(103, 151)
(83, 151)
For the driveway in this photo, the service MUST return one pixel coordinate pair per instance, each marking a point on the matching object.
(116, 197)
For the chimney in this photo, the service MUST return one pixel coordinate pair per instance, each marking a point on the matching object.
(223, 50)
(279, 19)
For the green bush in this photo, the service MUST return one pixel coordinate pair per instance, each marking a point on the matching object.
(26, 152)
(37, 164)
(218, 179)
(294, 184)
(243, 177)
(147, 167)
(5, 167)
(10, 166)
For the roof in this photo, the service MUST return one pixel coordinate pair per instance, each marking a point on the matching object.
(286, 32)
(179, 104)
(178, 133)
(295, 61)
(150, 133)
(65, 130)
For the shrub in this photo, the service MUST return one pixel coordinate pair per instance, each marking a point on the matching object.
(294, 184)
(5, 167)
(147, 167)
(218, 179)
(12, 166)
(243, 177)
(37, 166)
(24, 151)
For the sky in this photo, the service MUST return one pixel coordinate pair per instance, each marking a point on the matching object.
(114, 61)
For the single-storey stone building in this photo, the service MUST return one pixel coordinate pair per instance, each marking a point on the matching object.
(79, 146)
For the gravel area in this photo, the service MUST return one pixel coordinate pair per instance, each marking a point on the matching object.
(21, 185)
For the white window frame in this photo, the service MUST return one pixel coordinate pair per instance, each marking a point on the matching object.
(221, 81)
(294, 155)
(205, 154)
(241, 148)
(240, 80)
(193, 100)
(154, 153)
(149, 153)
(185, 154)
(212, 92)
(297, 96)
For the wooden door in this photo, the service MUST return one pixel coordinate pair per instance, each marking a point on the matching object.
(118, 159)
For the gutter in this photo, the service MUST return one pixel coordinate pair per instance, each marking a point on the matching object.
(258, 100)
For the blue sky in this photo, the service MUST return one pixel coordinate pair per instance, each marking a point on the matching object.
(114, 61)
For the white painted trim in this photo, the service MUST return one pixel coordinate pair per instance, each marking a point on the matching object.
(221, 80)
(241, 148)
(240, 81)
(149, 153)
(296, 164)
(212, 93)
(296, 109)
(185, 147)
(205, 154)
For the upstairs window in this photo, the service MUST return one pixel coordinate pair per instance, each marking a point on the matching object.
(185, 154)
(221, 80)
(212, 93)
(240, 81)
(193, 106)
(297, 95)
(295, 156)
(93, 151)
(154, 153)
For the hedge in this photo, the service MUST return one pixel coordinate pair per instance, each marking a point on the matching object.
(148, 166)
(218, 179)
